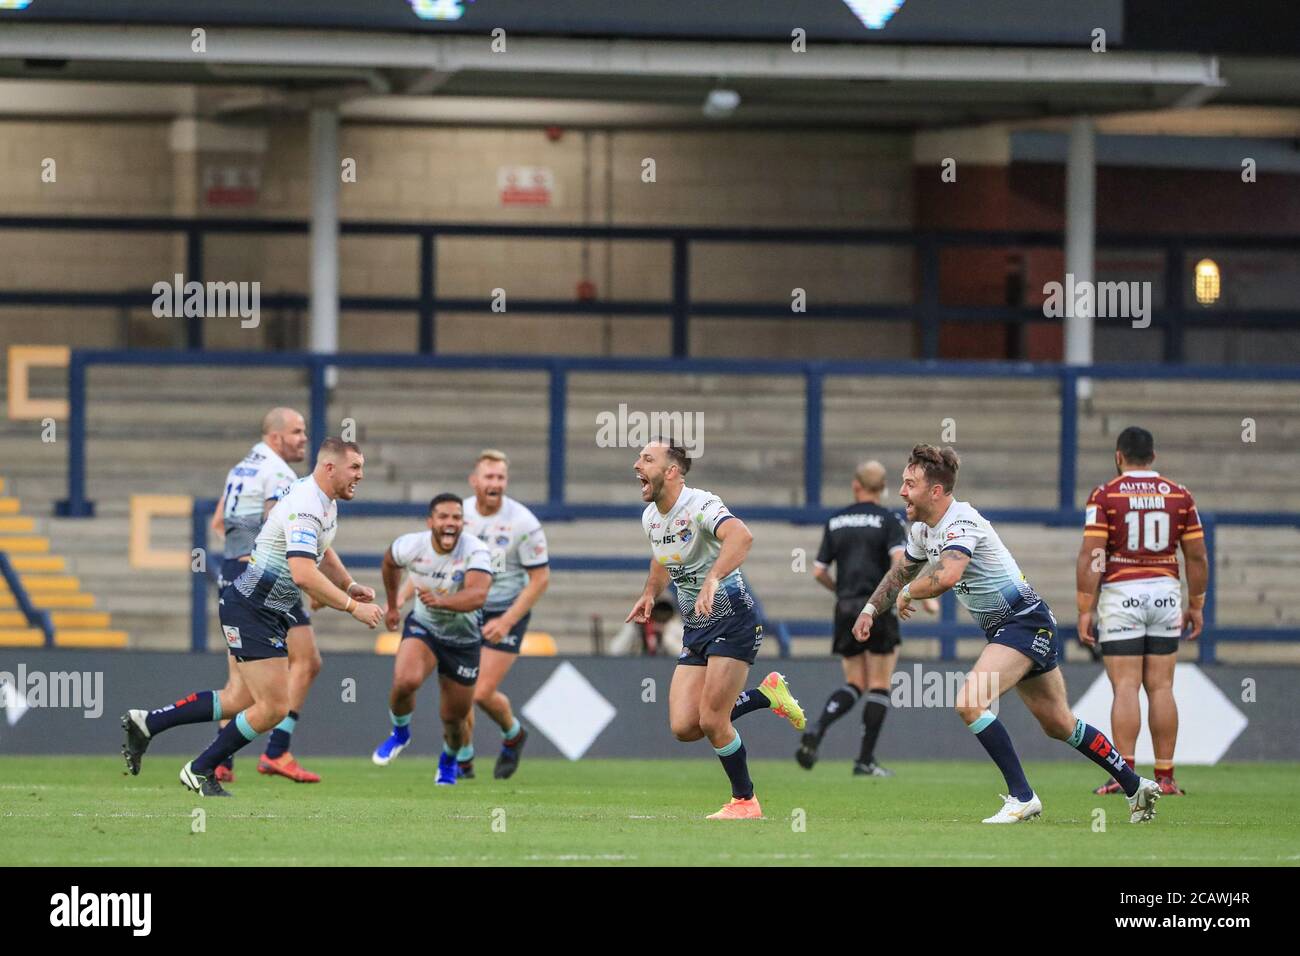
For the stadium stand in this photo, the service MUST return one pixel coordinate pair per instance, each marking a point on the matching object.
(420, 429)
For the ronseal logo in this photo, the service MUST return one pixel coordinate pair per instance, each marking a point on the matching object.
(74, 909)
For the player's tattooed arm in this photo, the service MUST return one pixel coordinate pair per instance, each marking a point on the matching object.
(940, 575)
(895, 578)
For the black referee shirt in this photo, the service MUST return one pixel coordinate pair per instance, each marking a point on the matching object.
(857, 541)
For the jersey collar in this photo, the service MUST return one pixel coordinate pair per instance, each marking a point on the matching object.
(945, 513)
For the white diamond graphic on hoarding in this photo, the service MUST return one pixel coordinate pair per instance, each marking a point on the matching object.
(1208, 722)
(569, 711)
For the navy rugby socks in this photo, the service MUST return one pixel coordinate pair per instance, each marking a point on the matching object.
(235, 735)
(988, 730)
(1094, 745)
(199, 707)
(749, 701)
(734, 761)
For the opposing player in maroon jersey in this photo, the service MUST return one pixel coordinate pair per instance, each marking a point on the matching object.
(1135, 523)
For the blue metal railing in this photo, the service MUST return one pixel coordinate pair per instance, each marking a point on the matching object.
(558, 508)
(814, 374)
(928, 311)
(38, 619)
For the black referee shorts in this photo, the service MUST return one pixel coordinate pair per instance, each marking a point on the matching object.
(884, 630)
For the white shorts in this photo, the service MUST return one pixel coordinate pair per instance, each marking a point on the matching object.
(1148, 607)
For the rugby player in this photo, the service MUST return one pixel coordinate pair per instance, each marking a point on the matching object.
(291, 555)
(951, 546)
(252, 488)
(517, 543)
(452, 572)
(1135, 523)
(700, 545)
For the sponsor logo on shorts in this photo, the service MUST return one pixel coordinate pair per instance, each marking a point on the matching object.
(1042, 643)
(232, 636)
(463, 671)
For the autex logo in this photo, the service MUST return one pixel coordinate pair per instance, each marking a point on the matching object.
(74, 909)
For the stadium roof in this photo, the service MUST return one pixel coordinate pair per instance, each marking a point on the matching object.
(152, 70)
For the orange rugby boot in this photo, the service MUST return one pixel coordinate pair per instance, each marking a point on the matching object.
(285, 766)
(739, 809)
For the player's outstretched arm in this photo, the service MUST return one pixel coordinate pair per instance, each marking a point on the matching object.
(309, 577)
(218, 523)
(655, 583)
(1196, 562)
(895, 579)
(1088, 569)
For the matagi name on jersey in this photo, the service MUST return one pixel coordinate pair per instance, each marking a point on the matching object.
(1144, 493)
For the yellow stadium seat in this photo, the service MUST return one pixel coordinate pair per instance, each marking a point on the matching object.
(538, 644)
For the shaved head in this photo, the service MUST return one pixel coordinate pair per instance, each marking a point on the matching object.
(871, 476)
(285, 431)
(277, 418)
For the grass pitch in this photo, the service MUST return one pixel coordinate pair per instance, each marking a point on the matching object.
(80, 811)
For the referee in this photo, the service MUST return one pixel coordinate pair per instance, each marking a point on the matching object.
(863, 541)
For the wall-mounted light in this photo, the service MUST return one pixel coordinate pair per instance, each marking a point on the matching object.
(721, 102)
(1208, 284)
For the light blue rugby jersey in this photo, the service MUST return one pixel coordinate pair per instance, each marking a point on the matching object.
(992, 587)
(685, 542)
(302, 524)
(516, 541)
(444, 574)
(261, 477)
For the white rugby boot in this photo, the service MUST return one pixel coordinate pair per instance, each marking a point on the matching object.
(1142, 805)
(1016, 811)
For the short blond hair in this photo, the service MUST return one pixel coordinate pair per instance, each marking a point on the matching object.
(492, 454)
